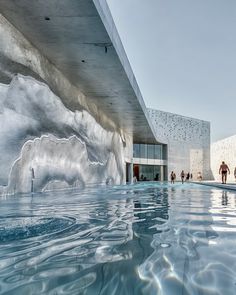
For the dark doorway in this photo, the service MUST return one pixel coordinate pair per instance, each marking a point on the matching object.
(136, 171)
(128, 172)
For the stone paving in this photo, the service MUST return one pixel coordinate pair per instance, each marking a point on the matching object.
(228, 186)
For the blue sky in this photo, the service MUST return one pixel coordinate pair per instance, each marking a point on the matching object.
(183, 54)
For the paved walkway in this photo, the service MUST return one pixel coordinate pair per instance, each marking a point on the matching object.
(227, 186)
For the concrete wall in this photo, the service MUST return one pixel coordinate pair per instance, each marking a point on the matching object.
(188, 141)
(223, 150)
(18, 55)
(47, 140)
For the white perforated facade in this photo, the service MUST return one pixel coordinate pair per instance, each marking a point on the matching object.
(188, 141)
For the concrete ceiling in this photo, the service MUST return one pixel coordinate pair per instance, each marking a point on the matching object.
(79, 37)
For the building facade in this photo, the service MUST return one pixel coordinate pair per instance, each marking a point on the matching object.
(224, 150)
(150, 162)
(187, 143)
(71, 111)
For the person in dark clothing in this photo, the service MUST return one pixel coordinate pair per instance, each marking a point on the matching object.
(182, 176)
(172, 177)
(187, 176)
(224, 169)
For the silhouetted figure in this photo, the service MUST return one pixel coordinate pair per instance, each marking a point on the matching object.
(235, 173)
(182, 176)
(224, 169)
(191, 176)
(187, 176)
(156, 177)
(172, 177)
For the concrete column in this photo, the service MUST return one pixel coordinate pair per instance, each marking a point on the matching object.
(131, 171)
(162, 173)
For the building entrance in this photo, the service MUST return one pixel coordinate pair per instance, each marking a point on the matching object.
(150, 172)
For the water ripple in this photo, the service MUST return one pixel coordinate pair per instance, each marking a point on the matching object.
(16, 228)
(142, 239)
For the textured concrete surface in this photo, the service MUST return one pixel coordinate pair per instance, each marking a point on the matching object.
(69, 110)
(224, 150)
(70, 117)
(96, 72)
(64, 148)
(188, 142)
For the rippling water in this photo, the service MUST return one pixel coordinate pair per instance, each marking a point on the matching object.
(141, 239)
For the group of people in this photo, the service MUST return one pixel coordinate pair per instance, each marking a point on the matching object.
(223, 170)
(182, 176)
(185, 177)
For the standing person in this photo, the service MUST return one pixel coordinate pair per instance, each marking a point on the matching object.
(156, 177)
(223, 171)
(199, 176)
(182, 176)
(172, 177)
(187, 176)
(191, 176)
(235, 173)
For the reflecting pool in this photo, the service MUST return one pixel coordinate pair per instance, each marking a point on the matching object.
(147, 238)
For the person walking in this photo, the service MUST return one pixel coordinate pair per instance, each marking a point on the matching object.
(182, 176)
(224, 169)
(187, 176)
(172, 177)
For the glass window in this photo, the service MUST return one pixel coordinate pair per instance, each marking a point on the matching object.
(157, 152)
(150, 151)
(146, 172)
(150, 173)
(164, 153)
(136, 151)
(165, 173)
(143, 151)
(157, 173)
(151, 148)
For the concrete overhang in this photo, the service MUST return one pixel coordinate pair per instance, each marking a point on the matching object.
(80, 38)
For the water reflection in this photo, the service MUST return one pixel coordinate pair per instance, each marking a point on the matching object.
(142, 239)
(224, 198)
(197, 254)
